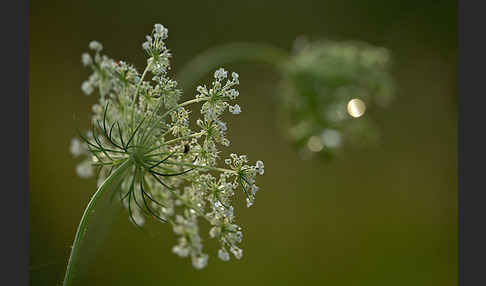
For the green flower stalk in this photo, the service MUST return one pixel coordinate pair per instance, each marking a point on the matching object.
(141, 137)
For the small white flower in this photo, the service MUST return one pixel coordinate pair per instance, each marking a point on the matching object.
(97, 108)
(221, 125)
(229, 212)
(84, 169)
(87, 88)
(232, 94)
(158, 28)
(260, 167)
(220, 74)
(235, 77)
(238, 236)
(76, 148)
(237, 252)
(202, 90)
(254, 189)
(214, 232)
(146, 45)
(139, 219)
(95, 46)
(259, 164)
(235, 109)
(86, 59)
(249, 202)
(200, 262)
(181, 251)
(161, 31)
(223, 254)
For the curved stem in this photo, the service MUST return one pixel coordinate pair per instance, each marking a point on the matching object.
(135, 96)
(185, 137)
(229, 53)
(141, 80)
(86, 216)
(184, 104)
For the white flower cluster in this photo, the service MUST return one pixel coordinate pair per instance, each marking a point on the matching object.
(219, 95)
(156, 50)
(173, 174)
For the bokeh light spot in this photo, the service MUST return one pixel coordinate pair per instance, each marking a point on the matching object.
(356, 107)
(331, 138)
(315, 144)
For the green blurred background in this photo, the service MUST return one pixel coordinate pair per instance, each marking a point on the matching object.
(379, 216)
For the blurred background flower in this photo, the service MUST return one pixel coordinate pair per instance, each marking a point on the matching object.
(327, 86)
(376, 216)
(324, 84)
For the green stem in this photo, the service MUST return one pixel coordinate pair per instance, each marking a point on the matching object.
(86, 217)
(141, 80)
(135, 96)
(185, 137)
(184, 104)
(199, 166)
(229, 53)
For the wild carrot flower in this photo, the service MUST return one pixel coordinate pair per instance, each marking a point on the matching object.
(173, 175)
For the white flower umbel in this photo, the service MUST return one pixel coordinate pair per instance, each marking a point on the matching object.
(170, 172)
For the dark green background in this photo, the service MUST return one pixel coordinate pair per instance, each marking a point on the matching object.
(381, 216)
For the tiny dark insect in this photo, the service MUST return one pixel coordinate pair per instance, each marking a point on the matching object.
(186, 148)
